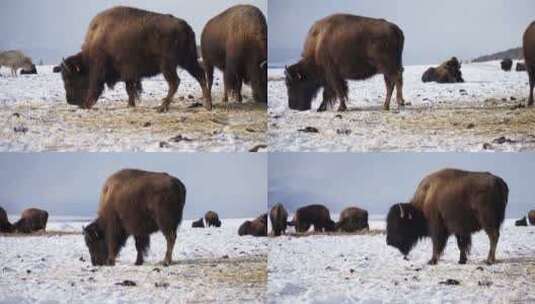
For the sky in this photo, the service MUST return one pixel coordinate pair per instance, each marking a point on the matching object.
(52, 29)
(375, 181)
(434, 30)
(232, 184)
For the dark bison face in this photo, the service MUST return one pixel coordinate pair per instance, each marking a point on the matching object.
(301, 86)
(75, 79)
(96, 243)
(218, 223)
(405, 225)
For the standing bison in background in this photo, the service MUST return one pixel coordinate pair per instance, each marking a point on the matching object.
(235, 42)
(448, 72)
(341, 47)
(529, 58)
(448, 202)
(212, 219)
(15, 60)
(506, 64)
(138, 203)
(198, 223)
(316, 215)
(256, 227)
(352, 219)
(127, 44)
(279, 219)
(31, 219)
(5, 225)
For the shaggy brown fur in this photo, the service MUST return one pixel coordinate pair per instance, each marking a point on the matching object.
(128, 44)
(448, 72)
(448, 202)
(31, 219)
(529, 58)
(256, 227)
(317, 215)
(198, 223)
(212, 219)
(5, 225)
(137, 203)
(279, 219)
(506, 64)
(341, 47)
(235, 42)
(352, 219)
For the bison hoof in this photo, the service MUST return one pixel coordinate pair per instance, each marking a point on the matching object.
(462, 262)
(432, 262)
(163, 109)
(208, 105)
(490, 261)
(342, 108)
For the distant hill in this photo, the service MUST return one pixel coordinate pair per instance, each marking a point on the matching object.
(515, 53)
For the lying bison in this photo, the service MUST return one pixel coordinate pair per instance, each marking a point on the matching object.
(450, 202)
(198, 223)
(529, 58)
(279, 219)
(31, 219)
(506, 64)
(212, 219)
(520, 67)
(256, 227)
(127, 44)
(316, 215)
(341, 47)
(235, 42)
(448, 72)
(5, 225)
(14, 60)
(56, 69)
(32, 70)
(352, 219)
(525, 220)
(138, 203)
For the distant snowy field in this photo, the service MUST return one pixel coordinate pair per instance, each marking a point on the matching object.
(470, 116)
(211, 265)
(363, 269)
(34, 116)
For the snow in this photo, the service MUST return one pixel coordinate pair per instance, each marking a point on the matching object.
(469, 116)
(34, 116)
(210, 265)
(363, 269)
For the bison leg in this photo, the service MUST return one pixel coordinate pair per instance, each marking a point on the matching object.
(96, 85)
(239, 84)
(170, 237)
(389, 90)
(463, 242)
(329, 96)
(531, 73)
(142, 244)
(172, 79)
(399, 90)
(194, 69)
(439, 237)
(494, 235)
(209, 71)
(132, 89)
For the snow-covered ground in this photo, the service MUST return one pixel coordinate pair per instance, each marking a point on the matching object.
(363, 269)
(34, 116)
(480, 114)
(211, 265)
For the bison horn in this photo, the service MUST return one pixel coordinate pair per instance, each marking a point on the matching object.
(402, 214)
(65, 66)
(287, 73)
(263, 64)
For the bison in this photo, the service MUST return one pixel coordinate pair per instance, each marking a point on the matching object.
(235, 42)
(525, 220)
(521, 222)
(138, 203)
(341, 47)
(529, 58)
(352, 219)
(520, 67)
(447, 202)
(31, 219)
(15, 60)
(127, 44)
(256, 227)
(317, 215)
(33, 70)
(56, 69)
(212, 219)
(506, 64)
(5, 225)
(448, 72)
(198, 223)
(279, 219)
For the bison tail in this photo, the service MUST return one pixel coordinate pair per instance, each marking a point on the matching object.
(504, 196)
(400, 42)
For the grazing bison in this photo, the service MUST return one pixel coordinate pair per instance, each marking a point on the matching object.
(352, 219)
(256, 227)
(33, 70)
(506, 64)
(56, 69)
(31, 219)
(212, 219)
(15, 60)
(279, 219)
(317, 215)
(341, 47)
(198, 223)
(529, 58)
(235, 42)
(137, 203)
(5, 225)
(448, 202)
(448, 72)
(127, 44)
(520, 67)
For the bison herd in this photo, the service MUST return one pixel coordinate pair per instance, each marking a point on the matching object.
(31, 219)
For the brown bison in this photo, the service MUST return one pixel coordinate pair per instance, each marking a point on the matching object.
(198, 223)
(279, 219)
(448, 202)
(317, 215)
(256, 227)
(341, 47)
(5, 225)
(127, 44)
(448, 72)
(31, 219)
(506, 64)
(529, 58)
(138, 203)
(235, 42)
(352, 219)
(212, 219)
(525, 220)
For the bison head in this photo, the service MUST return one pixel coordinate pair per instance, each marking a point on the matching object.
(75, 76)
(302, 86)
(244, 228)
(96, 243)
(405, 225)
